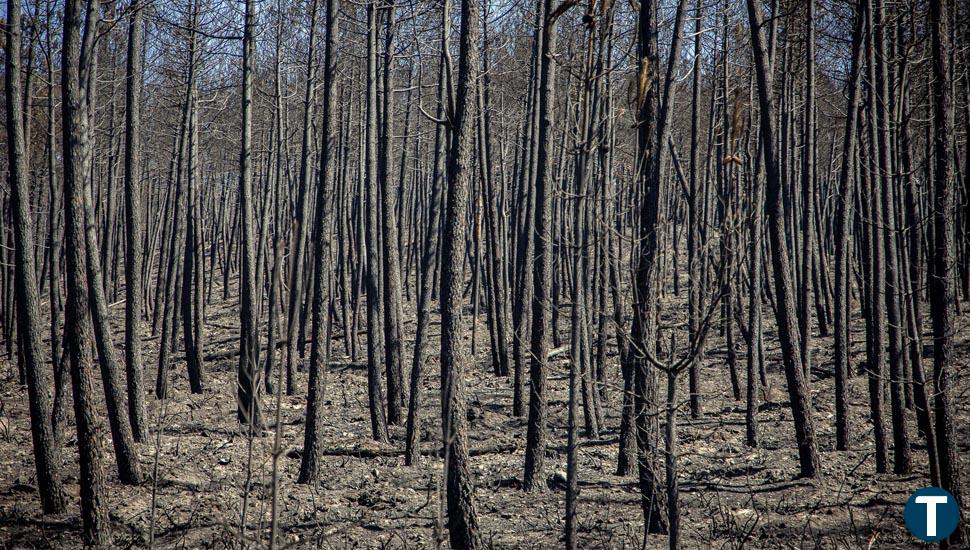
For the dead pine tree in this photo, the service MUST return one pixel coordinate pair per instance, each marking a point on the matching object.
(134, 225)
(191, 291)
(375, 305)
(808, 191)
(126, 455)
(298, 233)
(653, 112)
(873, 254)
(462, 516)
(248, 400)
(310, 462)
(389, 187)
(45, 447)
(843, 227)
(695, 212)
(442, 140)
(783, 290)
(524, 268)
(76, 56)
(542, 302)
(942, 290)
(902, 456)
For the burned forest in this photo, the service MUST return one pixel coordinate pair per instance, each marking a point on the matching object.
(471, 274)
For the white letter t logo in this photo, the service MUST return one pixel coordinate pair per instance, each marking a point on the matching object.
(931, 502)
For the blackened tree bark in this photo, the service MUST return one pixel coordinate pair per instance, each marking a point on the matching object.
(126, 455)
(805, 294)
(462, 518)
(542, 298)
(375, 305)
(874, 255)
(191, 277)
(652, 117)
(134, 225)
(76, 55)
(390, 258)
(412, 450)
(756, 275)
(525, 241)
(843, 241)
(248, 406)
(902, 458)
(46, 452)
(302, 212)
(643, 329)
(784, 292)
(695, 278)
(941, 281)
(320, 308)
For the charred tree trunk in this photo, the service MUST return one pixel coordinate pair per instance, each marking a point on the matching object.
(76, 53)
(45, 446)
(941, 281)
(248, 410)
(320, 310)
(462, 517)
(542, 300)
(134, 227)
(375, 306)
(799, 397)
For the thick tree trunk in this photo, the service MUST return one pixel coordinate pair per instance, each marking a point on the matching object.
(75, 64)
(45, 446)
(542, 300)
(941, 282)
(462, 517)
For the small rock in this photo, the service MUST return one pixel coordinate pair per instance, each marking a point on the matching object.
(557, 481)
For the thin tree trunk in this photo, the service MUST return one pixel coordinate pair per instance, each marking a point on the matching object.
(785, 315)
(302, 213)
(310, 463)
(390, 257)
(134, 226)
(375, 306)
(843, 229)
(248, 400)
(542, 301)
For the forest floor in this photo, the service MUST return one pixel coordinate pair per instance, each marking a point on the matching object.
(732, 495)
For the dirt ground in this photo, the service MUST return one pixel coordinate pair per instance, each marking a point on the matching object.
(732, 495)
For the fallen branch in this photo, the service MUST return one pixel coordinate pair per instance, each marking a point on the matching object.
(745, 489)
(377, 453)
